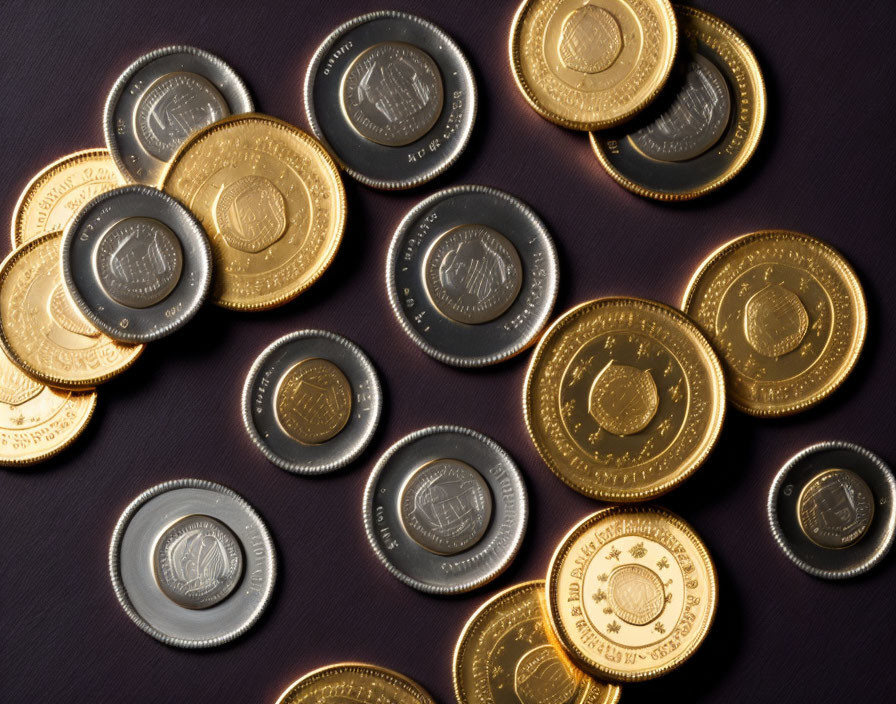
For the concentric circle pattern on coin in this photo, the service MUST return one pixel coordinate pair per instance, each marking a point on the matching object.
(787, 315)
(356, 683)
(448, 512)
(624, 398)
(591, 64)
(392, 97)
(831, 509)
(163, 98)
(631, 592)
(472, 275)
(506, 654)
(272, 202)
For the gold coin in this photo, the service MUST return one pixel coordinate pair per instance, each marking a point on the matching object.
(507, 654)
(56, 194)
(835, 508)
(272, 202)
(314, 401)
(631, 592)
(591, 64)
(356, 683)
(41, 330)
(37, 422)
(624, 398)
(786, 314)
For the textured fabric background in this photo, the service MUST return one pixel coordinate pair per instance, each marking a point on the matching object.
(825, 166)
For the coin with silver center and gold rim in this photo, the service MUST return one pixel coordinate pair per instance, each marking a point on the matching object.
(703, 128)
(357, 683)
(624, 398)
(591, 64)
(787, 315)
(631, 593)
(507, 654)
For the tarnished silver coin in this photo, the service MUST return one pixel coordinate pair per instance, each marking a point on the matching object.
(445, 509)
(192, 563)
(163, 98)
(137, 263)
(392, 98)
(311, 402)
(831, 509)
(472, 275)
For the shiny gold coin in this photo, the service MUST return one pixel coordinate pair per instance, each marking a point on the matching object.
(624, 398)
(786, 314)
(356, 683)
(53, 197)
(272, 202)
(591, 64)
(37, 422)
(507, 654)
(314, 401)
(835, 508)
(41, 330)
(631, 593)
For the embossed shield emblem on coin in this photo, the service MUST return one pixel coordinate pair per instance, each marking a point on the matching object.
(636, 594)
(775, 321)
(251, 214)
(542, 677)
(590, 40)
(623, 399)
(314, 401)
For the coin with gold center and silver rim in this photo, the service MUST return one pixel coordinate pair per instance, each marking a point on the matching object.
(357, 683)
(311, 402)
(631, 593)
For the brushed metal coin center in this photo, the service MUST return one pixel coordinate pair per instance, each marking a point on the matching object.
(313, 401)
(835, 508)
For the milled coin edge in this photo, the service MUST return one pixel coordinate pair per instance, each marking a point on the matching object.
(377, 670)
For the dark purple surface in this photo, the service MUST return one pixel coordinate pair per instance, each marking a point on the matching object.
(825, 166)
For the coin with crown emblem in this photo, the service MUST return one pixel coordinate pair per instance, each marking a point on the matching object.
(354, 682)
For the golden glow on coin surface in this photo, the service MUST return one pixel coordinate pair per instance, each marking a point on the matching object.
(314, 401)
(356, 683)
(624, 398)
(591, 64)
(272, 202)
(787, 315)
(835, 508)
(631, 592)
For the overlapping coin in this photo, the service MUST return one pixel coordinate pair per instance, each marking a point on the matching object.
(355, 682)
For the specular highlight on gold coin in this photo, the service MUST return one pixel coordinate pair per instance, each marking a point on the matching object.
(314, 401)
(356, 683)
(835, 508)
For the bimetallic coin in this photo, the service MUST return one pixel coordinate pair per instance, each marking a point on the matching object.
(445, 509)
(392, 98)
(631, 593)
(471, 275)
(831, 509)
(356, 683)
(506, 654)
(162, 99)
(787, 315)
(192, 564)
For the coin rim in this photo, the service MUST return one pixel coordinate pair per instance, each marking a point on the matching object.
(378, 670)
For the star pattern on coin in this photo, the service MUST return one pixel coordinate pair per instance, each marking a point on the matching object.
(638, 551)
(614, 554)
(613, 627)
(662, 563)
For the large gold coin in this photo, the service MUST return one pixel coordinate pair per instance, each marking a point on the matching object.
(624, 398)
(591, 64)
(272, 202)
(37, 422)
(631, 592)
(507, 654)
(787, 315)
(41, 330)
(356, 683)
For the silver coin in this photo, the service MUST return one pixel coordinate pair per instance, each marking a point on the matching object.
(483, 303)
(174, 514)
(137, 263)
(392, 98)
(162, 99)
(311, 402)
(476, 556)
(830, 508)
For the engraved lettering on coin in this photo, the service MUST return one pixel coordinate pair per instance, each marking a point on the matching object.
(250, 214)
(590, 41)
(542, 676)
(623, 399)
(473, 274)
(138, 262)
(835, 508)
(66, 316)
(446, 506)
(175, 106)
(775, 321)
(636, 594)
(313, 401)
(393, 94)
(15, 387)
(198, 562)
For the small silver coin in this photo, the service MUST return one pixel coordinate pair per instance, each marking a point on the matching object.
(445, 550)
(214, 546)
(472, 275)
(311, 402)
(392, 98)
(830, 508)
(137, 263)
(162, 99)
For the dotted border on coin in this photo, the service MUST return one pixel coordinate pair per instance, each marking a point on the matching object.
(390, 676)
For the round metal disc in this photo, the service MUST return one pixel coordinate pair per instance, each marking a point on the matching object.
(868, 527)
(484, 559)
(269, 429)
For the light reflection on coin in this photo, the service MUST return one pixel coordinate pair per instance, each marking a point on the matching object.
(314, 401)
(354, 683)
(835, 508)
